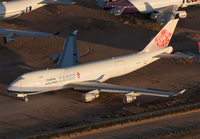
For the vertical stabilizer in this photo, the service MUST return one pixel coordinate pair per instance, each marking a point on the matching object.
(70, 55)
(163, 38)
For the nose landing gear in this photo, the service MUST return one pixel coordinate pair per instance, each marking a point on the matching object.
(26, 98)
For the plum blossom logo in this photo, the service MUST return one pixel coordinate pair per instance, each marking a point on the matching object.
(78, 75)
(163, 38)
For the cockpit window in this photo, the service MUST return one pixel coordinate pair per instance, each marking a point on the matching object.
(21, 77)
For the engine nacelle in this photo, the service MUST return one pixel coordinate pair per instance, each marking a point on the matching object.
(87, 97)
(154, 15)
(128, 98)
(181, 14)
(9, 38)
(55, 58)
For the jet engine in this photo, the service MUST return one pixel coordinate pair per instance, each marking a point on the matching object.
(9, 38)
(55, 58)
(181, 14)
(128, 98)
(87, 97)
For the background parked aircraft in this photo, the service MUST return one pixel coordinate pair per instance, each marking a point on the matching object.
(163, 10)
(69, 74)
(13, 9)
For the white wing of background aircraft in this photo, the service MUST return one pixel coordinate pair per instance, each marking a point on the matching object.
(10, 34)
(13, 9)
(89, 76)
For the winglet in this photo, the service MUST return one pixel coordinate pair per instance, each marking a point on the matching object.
(74, 33)
(57, 33)
(181, 92)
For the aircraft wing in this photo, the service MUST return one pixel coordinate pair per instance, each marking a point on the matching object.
(104, 87)
(166, 14)
(56, 2)
(69, 56)
(11, 33)
(24, 33)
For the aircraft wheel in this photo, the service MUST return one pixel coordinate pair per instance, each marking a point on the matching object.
(26, 99)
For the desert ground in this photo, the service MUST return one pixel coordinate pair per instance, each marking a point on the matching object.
(182, 125)
(100, 35)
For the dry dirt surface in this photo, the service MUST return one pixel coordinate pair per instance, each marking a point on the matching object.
(182, 125)
(100, 35)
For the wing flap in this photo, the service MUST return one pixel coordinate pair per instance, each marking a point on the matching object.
(104, 87)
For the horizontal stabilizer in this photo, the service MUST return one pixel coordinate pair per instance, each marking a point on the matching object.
(175, 55)
(56, 2)
(194, 55)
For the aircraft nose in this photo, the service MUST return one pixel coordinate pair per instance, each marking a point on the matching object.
(9, 88)
(13, 88)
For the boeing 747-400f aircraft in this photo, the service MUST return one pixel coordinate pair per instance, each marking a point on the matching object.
(13, 9)
(69, 74)
(162, 10)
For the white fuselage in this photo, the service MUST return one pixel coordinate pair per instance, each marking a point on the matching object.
(145, 6)
(54, 79)
(12, 9)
